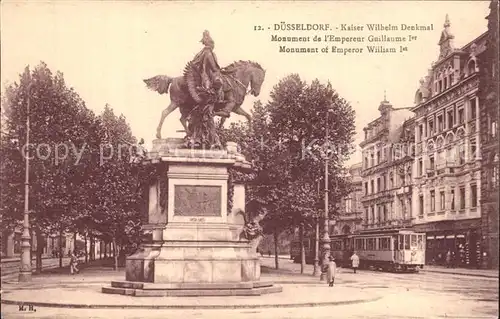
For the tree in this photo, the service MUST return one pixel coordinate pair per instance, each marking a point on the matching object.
(116, 213)
(287, 146)
(58, 129)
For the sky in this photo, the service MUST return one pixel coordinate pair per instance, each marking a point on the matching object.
(106, 48)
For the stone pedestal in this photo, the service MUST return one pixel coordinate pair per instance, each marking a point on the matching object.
(195, 250)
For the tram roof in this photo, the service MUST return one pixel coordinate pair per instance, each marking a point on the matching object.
(385, 232)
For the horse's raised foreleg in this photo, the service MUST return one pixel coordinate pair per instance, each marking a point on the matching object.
(238, 110)
(221, 123)
(164, 115)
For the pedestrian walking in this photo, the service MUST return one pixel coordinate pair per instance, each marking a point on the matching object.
(448, 259)
(73, 263)
(332, 271)
(355, 261)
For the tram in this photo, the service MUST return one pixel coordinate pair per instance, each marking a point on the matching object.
(393, 250)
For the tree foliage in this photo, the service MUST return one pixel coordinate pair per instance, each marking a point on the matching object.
(73, 187)
(287, 145)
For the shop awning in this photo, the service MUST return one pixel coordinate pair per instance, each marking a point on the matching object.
(449, 225)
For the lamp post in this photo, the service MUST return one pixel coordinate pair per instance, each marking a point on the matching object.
(25, 269)
(326, 237)
(316, 242)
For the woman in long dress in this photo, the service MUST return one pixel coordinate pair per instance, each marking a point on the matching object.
(332, 271)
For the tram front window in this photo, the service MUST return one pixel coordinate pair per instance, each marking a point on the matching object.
(407, 242)
(413, 241)
(420, 244)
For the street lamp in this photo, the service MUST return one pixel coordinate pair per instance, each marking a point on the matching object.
(25, 269)
(316, 242)
(326, 237)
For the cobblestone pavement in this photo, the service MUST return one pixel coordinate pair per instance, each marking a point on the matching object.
(420, 295)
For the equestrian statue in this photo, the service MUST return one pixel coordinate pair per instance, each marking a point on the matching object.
(205, 90)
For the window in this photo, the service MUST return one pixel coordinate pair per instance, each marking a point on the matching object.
(473, 195)
(451, 79)
(493, 129)
(420, 243)
(348, 205)
(473, 149)
(401, 242)
(413, 241)
(372, 184)
(445, 83)
(461, 116)
(420, 167)
(433, 200)
(462, 197)
(442, 200)
(473, 109)
(431, 162)
(421, 205)
(452, 199)
(450, 119)
(385, 213)
(372, 161)
(366, 188)
(440, 125)
(337, 245)
(431, 127)
(461, 153)
(379, 188)
(391, 180)
(407, 242)
(378, 157)
(421, 132)
(384, 244)
(359, 244)
(370, 244)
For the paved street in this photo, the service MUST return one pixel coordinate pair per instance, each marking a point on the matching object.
(421, 295)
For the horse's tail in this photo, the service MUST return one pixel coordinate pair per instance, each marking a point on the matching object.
(159, 83)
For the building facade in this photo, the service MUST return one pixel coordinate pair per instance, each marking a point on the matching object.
(489, 110)
(386, 169)
(350, 215)
(447, 165)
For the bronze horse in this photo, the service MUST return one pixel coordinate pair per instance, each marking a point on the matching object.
(236, 78)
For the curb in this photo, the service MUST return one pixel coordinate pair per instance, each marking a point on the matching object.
(460, 274)
(191, 307)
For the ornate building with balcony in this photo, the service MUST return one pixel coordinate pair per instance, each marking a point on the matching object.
(350, 217)
(489, 109)
(447, 177)
(386, 169)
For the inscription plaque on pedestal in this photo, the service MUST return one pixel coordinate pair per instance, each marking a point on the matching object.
(197, 200)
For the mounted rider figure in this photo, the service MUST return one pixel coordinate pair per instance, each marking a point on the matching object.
(206, 61)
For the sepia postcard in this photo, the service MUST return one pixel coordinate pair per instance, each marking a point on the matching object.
(249, 159)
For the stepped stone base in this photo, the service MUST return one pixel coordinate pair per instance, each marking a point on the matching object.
(140, 289)
(195, 249)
